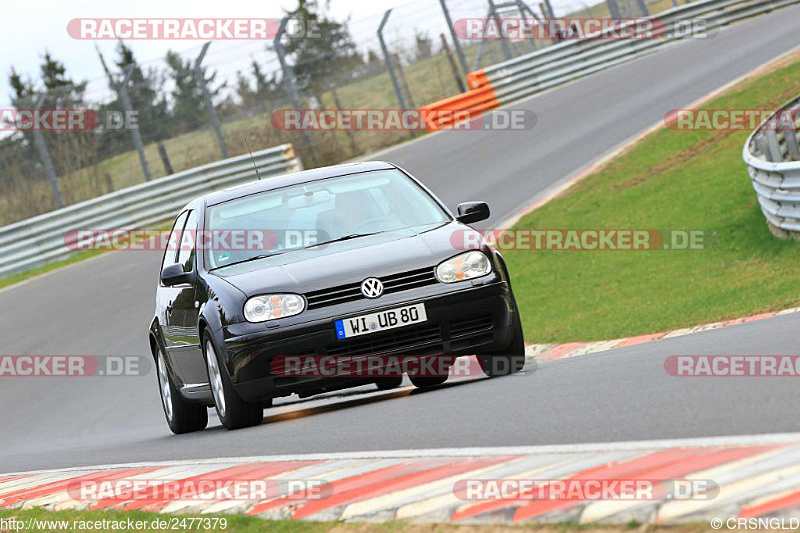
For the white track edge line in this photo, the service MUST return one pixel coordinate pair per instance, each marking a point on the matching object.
(732, 440)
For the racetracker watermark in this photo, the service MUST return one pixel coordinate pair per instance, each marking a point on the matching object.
(145, 240)
(526, 29)
(74, 366)
(174, 28)
(124, 524)
(402, 120)
(265, 240)
(621, 489)
(732, 119)
(582, 239)
(48, 120)
(70, 120)
(386, 366)
(198, 489)
(733, 365)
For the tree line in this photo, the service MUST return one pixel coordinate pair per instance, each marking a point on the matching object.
(168, 100)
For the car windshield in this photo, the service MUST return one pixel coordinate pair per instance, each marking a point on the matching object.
(308, 214)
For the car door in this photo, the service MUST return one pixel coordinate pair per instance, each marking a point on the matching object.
(184, 313)
(166, 295)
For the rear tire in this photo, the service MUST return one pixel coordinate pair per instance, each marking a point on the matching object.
(509, 360)
(233, 412)
(182, 416)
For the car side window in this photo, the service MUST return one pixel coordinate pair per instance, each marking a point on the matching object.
(187, 243)
(172, 250)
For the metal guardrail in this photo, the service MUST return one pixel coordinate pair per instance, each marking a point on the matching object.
(558, 64)
(773, 161)
(41, 239)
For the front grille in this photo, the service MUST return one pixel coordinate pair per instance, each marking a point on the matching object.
(465, 334)
(423, 339)
(352, 291)
(472, 326)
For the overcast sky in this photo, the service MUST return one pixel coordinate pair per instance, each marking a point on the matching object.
(35, 25)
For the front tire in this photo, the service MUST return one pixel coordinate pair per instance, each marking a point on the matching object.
(509, 360)
(233, 412)
(442, 364)
(182, 416)
(424, 382)
(389, 383)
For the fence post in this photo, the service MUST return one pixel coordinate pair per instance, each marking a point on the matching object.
(38, 139)
(613, 9)
(122, 91)
(162, 153)
(291, 85)
(549, 7)
(137, 139)
(457, 45)
(109, 183)
(503, 42)
(201, 80)
(479, 54)
(403, 80)
(350, 135)
(522, 7)
(388, 58)
(453, 66)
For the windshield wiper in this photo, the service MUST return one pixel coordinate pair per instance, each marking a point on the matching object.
(344, 238)
(254, 258)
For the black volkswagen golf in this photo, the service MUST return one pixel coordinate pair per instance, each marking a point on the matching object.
(382, 275)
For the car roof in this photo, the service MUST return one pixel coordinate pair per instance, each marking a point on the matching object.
(294, 178)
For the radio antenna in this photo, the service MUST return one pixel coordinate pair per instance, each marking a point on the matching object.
(251, 159)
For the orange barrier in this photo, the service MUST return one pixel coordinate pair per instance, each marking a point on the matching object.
(444, 114)
(477, 79)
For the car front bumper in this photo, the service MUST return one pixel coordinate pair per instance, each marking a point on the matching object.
(466, 318)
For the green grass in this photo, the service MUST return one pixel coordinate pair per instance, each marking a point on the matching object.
(671, 180)
(248, 524)
(44, 269)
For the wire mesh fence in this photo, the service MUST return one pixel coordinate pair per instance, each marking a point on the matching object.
(214, 100)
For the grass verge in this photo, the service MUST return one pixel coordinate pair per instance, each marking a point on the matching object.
(13, 279)
(671, 180)
(245, 524)
(76, 257)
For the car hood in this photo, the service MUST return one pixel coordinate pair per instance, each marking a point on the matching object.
(351, 261)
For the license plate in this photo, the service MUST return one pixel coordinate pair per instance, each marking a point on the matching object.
(380, 321)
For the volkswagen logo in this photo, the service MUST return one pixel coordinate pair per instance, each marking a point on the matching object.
(371, 287)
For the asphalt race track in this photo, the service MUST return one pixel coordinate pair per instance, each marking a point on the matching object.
(103, 306)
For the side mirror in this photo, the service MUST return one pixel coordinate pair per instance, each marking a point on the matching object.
(173, 275)
(471, 212)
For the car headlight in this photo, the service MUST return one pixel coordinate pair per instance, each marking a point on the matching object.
(272, 306)
(469, 265)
